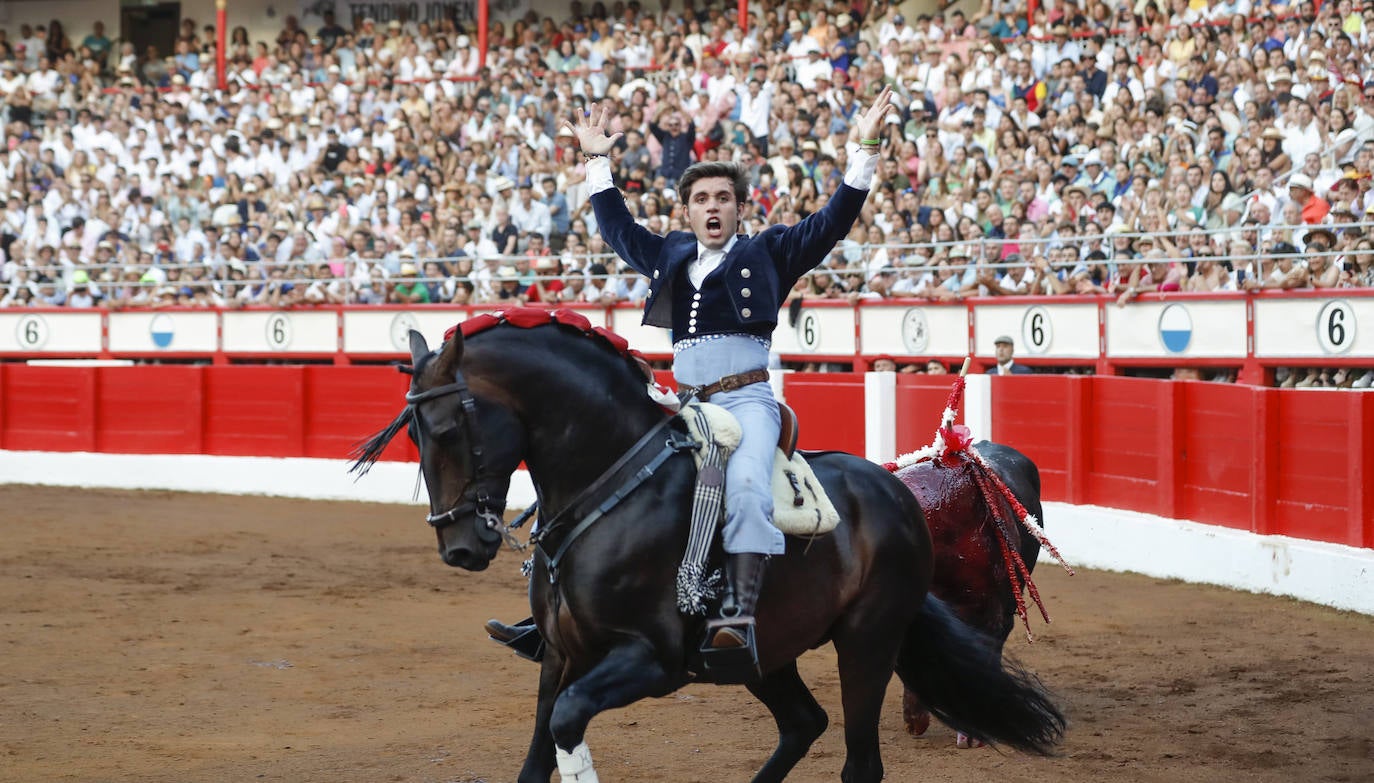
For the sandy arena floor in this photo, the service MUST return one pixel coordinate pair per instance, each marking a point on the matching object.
(154, 636)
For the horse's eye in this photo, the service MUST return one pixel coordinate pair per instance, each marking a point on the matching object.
(444, 430)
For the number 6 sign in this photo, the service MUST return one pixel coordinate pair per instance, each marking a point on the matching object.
(1037, 332)
(1336, 326)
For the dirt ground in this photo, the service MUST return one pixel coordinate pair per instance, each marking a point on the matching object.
(154, 636)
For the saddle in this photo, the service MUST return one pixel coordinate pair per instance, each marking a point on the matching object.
(800, 505)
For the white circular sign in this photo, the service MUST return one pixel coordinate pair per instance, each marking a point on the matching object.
(1037, 332)
(32, 332)
(809, 331)
(915, 331)
(1336, 326)
(278, 331)
(400, 331)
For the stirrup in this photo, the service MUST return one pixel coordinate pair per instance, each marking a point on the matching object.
(526, 643)
(739, 661)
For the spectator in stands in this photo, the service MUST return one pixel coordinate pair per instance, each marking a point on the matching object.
(1043, 144)
(1005, 349)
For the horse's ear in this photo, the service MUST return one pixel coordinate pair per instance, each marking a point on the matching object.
(449, 355)
(418, 346)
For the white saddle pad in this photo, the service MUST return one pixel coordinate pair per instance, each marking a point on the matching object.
(800, 505)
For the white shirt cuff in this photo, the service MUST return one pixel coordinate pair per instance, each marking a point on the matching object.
(599, 175)
(862, 165)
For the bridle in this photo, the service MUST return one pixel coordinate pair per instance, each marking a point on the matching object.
(475, 500)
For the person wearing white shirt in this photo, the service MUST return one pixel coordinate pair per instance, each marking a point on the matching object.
(727, 338)
(755, 106)
(812, 67)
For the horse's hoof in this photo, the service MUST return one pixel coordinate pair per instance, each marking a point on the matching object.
(915, 717)
(917, 723)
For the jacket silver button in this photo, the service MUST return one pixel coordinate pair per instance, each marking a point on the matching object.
(655, 274)
(695, 297)
(692, 329)
(745, 312)
(744, 273)
(744, 292)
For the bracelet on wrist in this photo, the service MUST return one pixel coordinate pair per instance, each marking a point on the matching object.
(870, 142)
(590, 155)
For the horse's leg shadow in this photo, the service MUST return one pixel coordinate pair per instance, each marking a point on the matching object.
(539, 761)
(800, 719)
(627, 674)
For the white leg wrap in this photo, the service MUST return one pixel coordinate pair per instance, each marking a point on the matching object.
(576, 766)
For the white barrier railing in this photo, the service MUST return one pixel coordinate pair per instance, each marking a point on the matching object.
(1315, 328)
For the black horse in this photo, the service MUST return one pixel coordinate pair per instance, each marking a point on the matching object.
(574, 408)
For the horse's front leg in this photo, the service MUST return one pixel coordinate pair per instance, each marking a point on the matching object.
(627, 674)
(539, 761)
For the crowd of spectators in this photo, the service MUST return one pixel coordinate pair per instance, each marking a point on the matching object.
(1193, 145)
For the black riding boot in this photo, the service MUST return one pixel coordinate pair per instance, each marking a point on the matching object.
(744, 577)
(523, 637)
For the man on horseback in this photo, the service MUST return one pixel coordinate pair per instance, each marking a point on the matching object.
(719, 292)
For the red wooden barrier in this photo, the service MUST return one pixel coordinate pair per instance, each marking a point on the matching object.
(1275, 461)
(149, 410)
(49, 408)
(1318, 436)
(255, 411)
(1217, 455)
(920, 404)
(1035, 415)
(1125, 434)
(818, 398)
(343, 405)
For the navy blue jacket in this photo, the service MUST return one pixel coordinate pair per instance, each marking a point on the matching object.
(1016, 369)
(759, 270)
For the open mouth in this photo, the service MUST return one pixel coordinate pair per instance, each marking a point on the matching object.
(713, 226)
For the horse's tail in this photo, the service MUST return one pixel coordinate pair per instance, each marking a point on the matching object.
(962, 680)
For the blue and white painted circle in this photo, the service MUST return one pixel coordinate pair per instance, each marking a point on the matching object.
(162, 331)
(1175, 328)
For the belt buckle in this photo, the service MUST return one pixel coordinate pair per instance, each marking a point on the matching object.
(729, 383)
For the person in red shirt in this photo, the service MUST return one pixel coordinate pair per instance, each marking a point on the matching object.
(1314, 208)
(547, 282)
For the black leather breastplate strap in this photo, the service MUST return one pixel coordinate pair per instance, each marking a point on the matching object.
(633, 468)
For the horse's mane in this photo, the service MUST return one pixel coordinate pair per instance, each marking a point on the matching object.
(366, 453)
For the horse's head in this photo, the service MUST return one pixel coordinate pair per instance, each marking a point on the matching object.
(469, 446)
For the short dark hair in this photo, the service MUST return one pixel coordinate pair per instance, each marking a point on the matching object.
(708, 169)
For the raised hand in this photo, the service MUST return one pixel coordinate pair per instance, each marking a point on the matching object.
(871, 121)
(590, 130)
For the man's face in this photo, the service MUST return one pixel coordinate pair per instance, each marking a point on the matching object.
(712, 211)
(1004, 351)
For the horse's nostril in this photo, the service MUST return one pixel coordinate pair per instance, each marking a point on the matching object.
(458, 557)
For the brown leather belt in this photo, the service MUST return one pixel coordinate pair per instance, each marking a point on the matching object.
(728, 383)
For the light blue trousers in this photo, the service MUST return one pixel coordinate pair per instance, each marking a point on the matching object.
(749, 475)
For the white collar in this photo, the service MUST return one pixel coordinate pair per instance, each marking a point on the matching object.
(703, 251)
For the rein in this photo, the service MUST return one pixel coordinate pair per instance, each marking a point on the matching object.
(475, 496)
(640, 462)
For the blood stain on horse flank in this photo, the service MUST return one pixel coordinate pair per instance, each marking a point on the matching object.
(112, 675)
